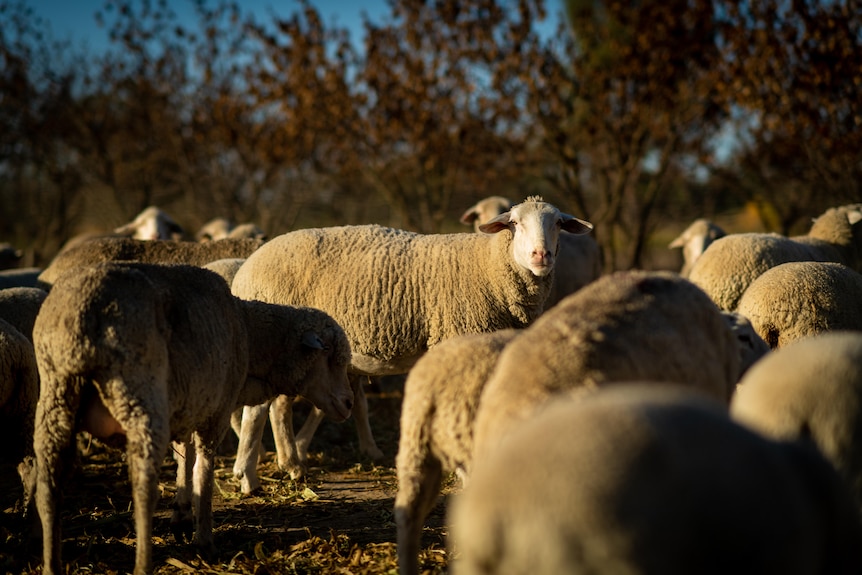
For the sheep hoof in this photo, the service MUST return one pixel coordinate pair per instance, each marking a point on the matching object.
(183, 530)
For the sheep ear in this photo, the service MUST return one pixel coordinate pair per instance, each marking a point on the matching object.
(677, 243)
(312, 340)
(574, 225)
(497, 224)
(468, 217)
(854, 217)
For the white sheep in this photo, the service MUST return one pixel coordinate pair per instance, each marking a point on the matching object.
(126, 249)
(638, 479)
(441, 395)
(694, 240)
(19, 391)
(153, 353)
(398, 293)
(812, 390)
(800, 299)
(151, 224)
(226, 267)
(634, 325)
(579, 259)
(731, 263)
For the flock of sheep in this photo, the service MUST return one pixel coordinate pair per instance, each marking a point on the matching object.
(638, 422)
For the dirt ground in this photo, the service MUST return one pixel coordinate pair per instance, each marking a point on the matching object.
(337, 520)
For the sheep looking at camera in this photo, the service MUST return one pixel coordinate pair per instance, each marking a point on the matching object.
(136, 352)
(731, 263)
(398, 293)
(579, 257)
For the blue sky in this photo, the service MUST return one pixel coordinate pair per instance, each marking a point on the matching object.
(75, 20)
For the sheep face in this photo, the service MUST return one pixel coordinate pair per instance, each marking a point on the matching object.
(535, 226)
(151, 224)
(328, 387)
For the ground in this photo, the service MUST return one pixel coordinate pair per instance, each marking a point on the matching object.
(338, 520)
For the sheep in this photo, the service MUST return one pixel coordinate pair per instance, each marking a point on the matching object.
(639, 479)
(752, 347)
(398, 293)
(731, 263)
(801, 299)
(20, 306)
(150, 353)
(226, 267)
(117, 249)
(811, 389)
(694, 240)
(221, 228)
(151, 224)
(441, 395)
(19, 277)
(579, 257)
(10, 256)
(19, 391)
(624, 326)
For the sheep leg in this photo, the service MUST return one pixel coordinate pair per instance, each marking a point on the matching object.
(416, 498)
(147, 443)
(286, 446)
(303, 438)
(55, 453)
(202, 496)
(248, 451)
(360, 414)
(182, 520)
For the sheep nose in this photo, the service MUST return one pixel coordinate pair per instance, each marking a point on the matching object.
(348, 403)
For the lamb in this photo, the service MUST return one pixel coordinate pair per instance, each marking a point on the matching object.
(641, 479)
(694, 240)
(811, 390)
(135, 352)
(731, 263)
(441, 395)
(579, 257)
(634, 325)
(800, 299)
(398, 293)
(20, 306)
(126, 249)
(19, 391)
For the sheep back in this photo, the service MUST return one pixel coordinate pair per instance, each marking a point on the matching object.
(396, 293)
(801, 299)
(642, 479)
(625, 326)
(154, 252)
(145, 330)
(810, 390)
(20, 306)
